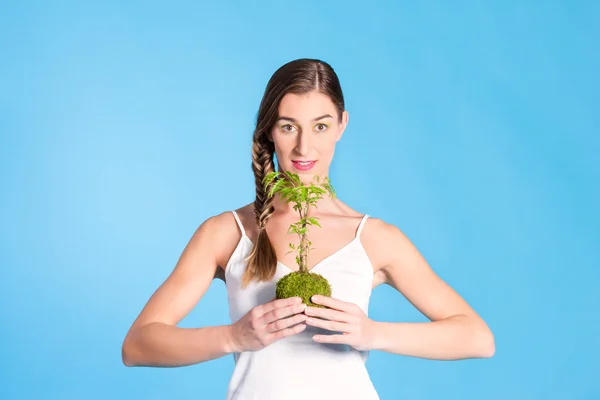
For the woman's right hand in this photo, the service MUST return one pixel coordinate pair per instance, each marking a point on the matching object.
(268, 323)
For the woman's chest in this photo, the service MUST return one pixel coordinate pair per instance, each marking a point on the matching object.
(349, 273)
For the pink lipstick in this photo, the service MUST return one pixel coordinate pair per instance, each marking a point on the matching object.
(303, 165)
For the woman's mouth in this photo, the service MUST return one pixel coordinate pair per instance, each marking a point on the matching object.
(303, 165)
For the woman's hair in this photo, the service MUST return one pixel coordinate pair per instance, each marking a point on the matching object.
(299, 77)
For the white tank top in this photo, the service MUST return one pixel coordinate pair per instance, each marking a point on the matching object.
(297, 367)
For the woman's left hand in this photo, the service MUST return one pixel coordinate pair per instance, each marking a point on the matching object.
(357, 330)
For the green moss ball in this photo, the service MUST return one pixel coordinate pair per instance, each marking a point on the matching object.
(304, 285)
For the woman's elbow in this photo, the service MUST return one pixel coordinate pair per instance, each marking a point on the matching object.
(486, 346)
(126, 353)
(126, 361)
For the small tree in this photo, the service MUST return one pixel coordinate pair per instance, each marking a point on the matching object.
(301, 283)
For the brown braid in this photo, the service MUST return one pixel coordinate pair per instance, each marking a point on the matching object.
(262, 262)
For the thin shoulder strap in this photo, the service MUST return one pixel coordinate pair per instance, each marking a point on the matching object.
(237, 219)
(362, 223)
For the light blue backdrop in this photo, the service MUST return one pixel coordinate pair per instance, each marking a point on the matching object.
(473, 128)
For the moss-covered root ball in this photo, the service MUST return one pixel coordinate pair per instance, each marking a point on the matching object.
(304, 285)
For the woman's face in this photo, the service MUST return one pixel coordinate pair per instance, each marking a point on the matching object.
(305, 134)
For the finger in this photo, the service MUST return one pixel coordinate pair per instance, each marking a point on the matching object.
(270, 306)
(333, 326)
(294, 330)
(341, 339)
(333, 303)
(330, 314)
(282, 312)
(285, 323)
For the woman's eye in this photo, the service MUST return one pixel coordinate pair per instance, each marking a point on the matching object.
(287, 128)
(321, 127)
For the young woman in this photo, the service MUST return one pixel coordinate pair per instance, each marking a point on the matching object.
(283, 349)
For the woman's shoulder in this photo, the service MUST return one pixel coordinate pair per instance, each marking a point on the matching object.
(224, 230)
(378, 237)
(375, 223)
(224, 221)
(220, 223)
(379, 226)
(380, 230)
(383, 240)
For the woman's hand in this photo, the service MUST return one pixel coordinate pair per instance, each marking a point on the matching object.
(357, 330)
(268, 323)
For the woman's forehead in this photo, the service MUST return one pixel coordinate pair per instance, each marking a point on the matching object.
(306, 107)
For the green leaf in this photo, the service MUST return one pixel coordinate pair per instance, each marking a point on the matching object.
(293, 178)
(276, 187)
(269, 178)
(313, 221)
(317, 190)
(304, 193)
(285, 192)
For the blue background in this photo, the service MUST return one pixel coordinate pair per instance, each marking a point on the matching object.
(473, 128)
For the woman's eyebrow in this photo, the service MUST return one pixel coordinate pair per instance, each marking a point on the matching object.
(293, 120)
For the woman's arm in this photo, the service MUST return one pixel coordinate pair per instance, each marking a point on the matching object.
(162, 345)
(455, 331)
(154, 339)
(452, 338)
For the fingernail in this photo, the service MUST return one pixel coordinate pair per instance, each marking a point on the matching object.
(315, 298)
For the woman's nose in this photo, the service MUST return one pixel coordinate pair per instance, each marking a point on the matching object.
(303, 144)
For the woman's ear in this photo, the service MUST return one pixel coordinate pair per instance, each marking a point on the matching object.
(342, 125)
